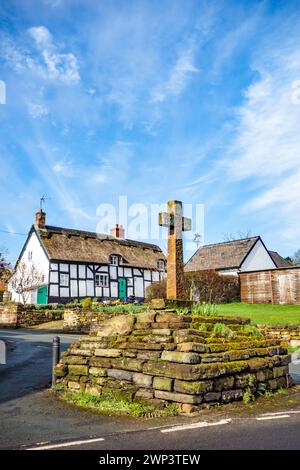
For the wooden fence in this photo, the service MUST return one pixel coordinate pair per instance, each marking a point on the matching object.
(272, 286)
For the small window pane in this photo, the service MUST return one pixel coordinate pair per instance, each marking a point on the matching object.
(64, 280)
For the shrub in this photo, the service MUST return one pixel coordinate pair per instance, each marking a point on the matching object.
(157, 290)
(86, 303)
(251, 330)
(203, 286)
(211, 287)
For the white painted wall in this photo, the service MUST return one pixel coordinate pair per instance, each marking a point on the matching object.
(258, 259)
(39, 260)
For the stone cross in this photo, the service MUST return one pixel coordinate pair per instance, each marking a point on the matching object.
(176, 223)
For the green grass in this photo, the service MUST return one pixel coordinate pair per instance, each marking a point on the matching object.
(266, 314)
(112, 405)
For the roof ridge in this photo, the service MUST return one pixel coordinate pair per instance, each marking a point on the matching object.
(105, 236)
(231, 241)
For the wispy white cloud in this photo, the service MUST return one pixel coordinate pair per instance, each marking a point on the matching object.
(179, 75)
(265, 151)
(37, 111)
(54, 64)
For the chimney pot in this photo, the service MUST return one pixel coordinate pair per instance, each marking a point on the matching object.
(40, 219)
(117, 231)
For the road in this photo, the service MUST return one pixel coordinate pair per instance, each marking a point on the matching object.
(32, 417)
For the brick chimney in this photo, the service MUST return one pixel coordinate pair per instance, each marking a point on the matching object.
(40, 219)
(117, 231)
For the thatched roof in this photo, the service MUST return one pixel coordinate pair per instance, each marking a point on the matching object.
(279, 261)
(78, 245)
(226, 255)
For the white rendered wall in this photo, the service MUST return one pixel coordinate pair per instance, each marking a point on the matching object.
(258, 259)
(40, 262)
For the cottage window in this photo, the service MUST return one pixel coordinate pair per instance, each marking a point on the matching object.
(29, 255)
(101, 280)
(114, 259)
(64, 280)
(161, 264)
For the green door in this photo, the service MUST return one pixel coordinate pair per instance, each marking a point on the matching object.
(122, 288)
(42, 295)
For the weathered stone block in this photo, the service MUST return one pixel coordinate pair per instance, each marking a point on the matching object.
(137, 345)
(117, 326)
(223, 383)
(170, 369)
(120, 374)
(285, 360)
(98, 371)
(186, 336)
(142, 380)
(60, 370)
(232, 395)
(209, 358)
(212, 396)
(280, 371)
(162, 331)
(162, 383)
(128, 364)
(80, 352)
(192, 347)
(93, 390)
(146, 317)
(257, 364)
(74, 386)
(148, 355)
(78, 370)
(263, 375)
(108, 352)
(100, 362)
(75, 360)
(193, 388)
(144, 394)
(245, 380)
(178, 397)
(182, 357)
(155, 326)
(238, 355)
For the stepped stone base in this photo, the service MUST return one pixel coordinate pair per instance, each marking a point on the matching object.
(160, 357)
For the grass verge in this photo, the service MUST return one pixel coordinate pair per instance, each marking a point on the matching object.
(264, 314)
(112, 405)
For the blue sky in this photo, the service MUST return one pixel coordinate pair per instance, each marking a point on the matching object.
(193, 100)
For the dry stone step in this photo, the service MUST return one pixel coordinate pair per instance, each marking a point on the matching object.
(178, 397)
(78, 370)
(163, 383)
(142, 380)
(182, 357)
(193, 388)
(108, 352)
(192, 347)
(125, 363)
(120, 374)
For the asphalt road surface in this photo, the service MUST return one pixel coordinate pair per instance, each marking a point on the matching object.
(31, 417)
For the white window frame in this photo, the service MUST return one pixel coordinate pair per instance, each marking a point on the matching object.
(29, 255)
(114, 260)
(129, 282)
(64, 280)
(101, 280)
(161, 264)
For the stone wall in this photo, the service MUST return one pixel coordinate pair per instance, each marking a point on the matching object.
(160, 357)
(14, 315)
(77, 320)
(9, 313)
(289, 333)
